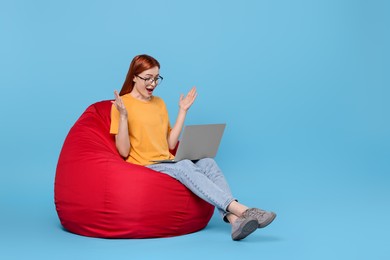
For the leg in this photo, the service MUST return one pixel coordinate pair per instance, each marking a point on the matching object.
(210, 185)
(210, 168)
(206, 180)
(235, 209)
(195, 179)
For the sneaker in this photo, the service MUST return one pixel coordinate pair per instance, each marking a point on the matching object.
(264, 218)
(243, 227)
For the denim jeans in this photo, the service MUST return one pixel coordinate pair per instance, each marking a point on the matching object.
(203, 177)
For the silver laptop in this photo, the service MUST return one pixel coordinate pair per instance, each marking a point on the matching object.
(198, 142)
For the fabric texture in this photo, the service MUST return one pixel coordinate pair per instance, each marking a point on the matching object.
(149, 127)
(98, 194)
(203, 177)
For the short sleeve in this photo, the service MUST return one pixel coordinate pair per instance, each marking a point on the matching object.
(169, 127)
(114, 120)
(167, 117)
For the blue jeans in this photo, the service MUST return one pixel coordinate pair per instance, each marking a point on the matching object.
(203, 177)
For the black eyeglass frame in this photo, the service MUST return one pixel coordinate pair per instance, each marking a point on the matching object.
(156, 80)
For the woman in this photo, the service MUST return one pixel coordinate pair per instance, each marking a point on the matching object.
(139, 121)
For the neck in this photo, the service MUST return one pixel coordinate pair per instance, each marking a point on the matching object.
(139, 96)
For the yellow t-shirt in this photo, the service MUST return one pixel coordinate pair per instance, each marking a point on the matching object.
(149, 127)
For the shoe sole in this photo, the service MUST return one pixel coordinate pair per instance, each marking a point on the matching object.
(266, 223)
(245, 230)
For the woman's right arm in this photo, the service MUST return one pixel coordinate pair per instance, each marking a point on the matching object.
(122, 140)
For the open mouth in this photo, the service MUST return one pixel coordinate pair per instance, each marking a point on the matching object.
(150, 89)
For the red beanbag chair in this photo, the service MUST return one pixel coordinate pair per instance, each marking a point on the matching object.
(98, 194)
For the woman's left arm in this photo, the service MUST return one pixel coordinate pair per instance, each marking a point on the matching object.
(184, 104)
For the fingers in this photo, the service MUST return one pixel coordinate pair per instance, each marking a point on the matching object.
(193, 94)
(118, 99)
(116, 94)
(192, 91)
(118, 102)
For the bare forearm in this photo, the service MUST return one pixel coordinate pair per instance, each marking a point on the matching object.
(122, 140)
(184, 104)
(176, 130)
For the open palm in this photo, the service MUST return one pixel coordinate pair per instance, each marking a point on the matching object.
(119, 104)
(186, 102)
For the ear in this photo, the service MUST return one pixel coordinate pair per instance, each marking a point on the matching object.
(134, 78)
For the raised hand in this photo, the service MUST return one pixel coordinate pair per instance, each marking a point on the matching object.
(119, 104)
(186, 102)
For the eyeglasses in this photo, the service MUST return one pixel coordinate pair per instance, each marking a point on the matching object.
(149, 81)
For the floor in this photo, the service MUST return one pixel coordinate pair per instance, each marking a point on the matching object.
(326, 210)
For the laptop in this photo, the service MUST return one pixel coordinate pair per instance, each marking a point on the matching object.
(198, 142)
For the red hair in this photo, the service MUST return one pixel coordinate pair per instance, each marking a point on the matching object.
(139, 64)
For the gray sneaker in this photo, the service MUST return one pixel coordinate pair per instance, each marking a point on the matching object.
(264, 218)
(243, 227)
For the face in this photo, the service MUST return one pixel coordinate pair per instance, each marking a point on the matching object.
(143, 89)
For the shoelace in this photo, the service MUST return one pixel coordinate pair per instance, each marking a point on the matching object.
(254, 213)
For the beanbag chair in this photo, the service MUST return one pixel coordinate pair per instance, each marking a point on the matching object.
(98, 194)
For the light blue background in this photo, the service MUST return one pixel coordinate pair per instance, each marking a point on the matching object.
(302, 85)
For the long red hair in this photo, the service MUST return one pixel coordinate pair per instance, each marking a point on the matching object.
(139, 64)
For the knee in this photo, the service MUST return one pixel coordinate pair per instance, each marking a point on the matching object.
(206, 162)
(186, 164)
